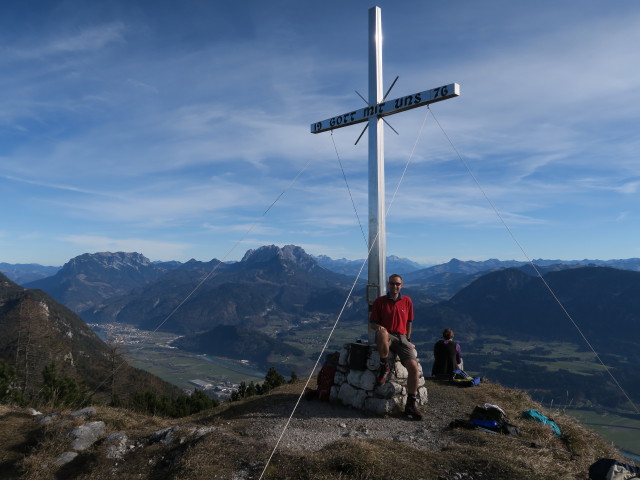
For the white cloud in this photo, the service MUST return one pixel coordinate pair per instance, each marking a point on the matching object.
(164, 203)
(256, 228)
(90, 39)
(621, 186)
(45, 184)
(86, 40)
(622, 217)
(124, 124)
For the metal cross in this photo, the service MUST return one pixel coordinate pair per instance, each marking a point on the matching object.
(374, 113)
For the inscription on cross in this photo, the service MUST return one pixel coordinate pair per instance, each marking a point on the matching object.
(378, 108)
(386, 108)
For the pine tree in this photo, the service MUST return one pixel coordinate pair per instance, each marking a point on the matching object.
(273, 379)
(9, 390)
(59, 390)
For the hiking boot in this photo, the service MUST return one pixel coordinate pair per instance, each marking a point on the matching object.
(411, 410)
(383, 373)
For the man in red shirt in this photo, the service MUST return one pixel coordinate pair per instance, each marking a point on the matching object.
(391, 317)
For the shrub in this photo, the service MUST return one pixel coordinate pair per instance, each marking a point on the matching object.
(9, 391)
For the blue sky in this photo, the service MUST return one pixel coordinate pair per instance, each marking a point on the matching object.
(168, 128)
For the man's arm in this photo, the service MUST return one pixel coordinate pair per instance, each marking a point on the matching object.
(374, 316)
(375, 325)
(410, 320)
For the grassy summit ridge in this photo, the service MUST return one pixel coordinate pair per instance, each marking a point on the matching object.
(322, 441)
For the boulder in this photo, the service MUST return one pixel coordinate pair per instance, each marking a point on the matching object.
(84, 414)
(65, 458)
(350, 395)
(86, 435)
(116, 445)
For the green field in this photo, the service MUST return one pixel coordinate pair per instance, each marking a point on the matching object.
(491, 353)
(152, 353)
(622, 431)
(311, 339)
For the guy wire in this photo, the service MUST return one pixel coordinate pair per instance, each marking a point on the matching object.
(538, 273)
(348, 189)
(310, 376)
(208, 275)
(335, 324)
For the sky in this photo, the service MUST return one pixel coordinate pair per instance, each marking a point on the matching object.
(181, 130)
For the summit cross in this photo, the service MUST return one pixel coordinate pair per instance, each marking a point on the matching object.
(378, 108)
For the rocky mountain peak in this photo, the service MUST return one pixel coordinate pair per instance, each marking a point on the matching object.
(109, 260)
(89, 279)
(287, 254)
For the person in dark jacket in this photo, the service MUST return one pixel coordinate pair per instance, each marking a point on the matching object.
(447, 356)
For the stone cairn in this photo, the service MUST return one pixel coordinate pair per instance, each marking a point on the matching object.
(357, 387)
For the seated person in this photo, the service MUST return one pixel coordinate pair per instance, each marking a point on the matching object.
(447, 356)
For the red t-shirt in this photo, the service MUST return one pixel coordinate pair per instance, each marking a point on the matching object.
(393, 316)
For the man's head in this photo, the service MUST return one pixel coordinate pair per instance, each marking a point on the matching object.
(395, 284)
(447, 334)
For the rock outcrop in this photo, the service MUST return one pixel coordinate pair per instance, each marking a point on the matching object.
(356, 387)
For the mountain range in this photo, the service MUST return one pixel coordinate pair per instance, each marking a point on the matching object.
(22, 273)
(394, 264)
(89, 279)
(278, 291)
(87, 283)
(269, 282)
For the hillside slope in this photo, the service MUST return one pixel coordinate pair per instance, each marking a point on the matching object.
(322, 441)
(512, 329)
(232, 341)
(38, 332)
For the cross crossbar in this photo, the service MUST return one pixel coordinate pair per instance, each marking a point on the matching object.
(388, 108)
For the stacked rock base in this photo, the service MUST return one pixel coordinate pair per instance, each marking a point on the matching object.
(357, 388)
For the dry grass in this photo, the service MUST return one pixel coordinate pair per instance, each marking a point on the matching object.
(472, 454)
(28, 449)
(17, 439)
